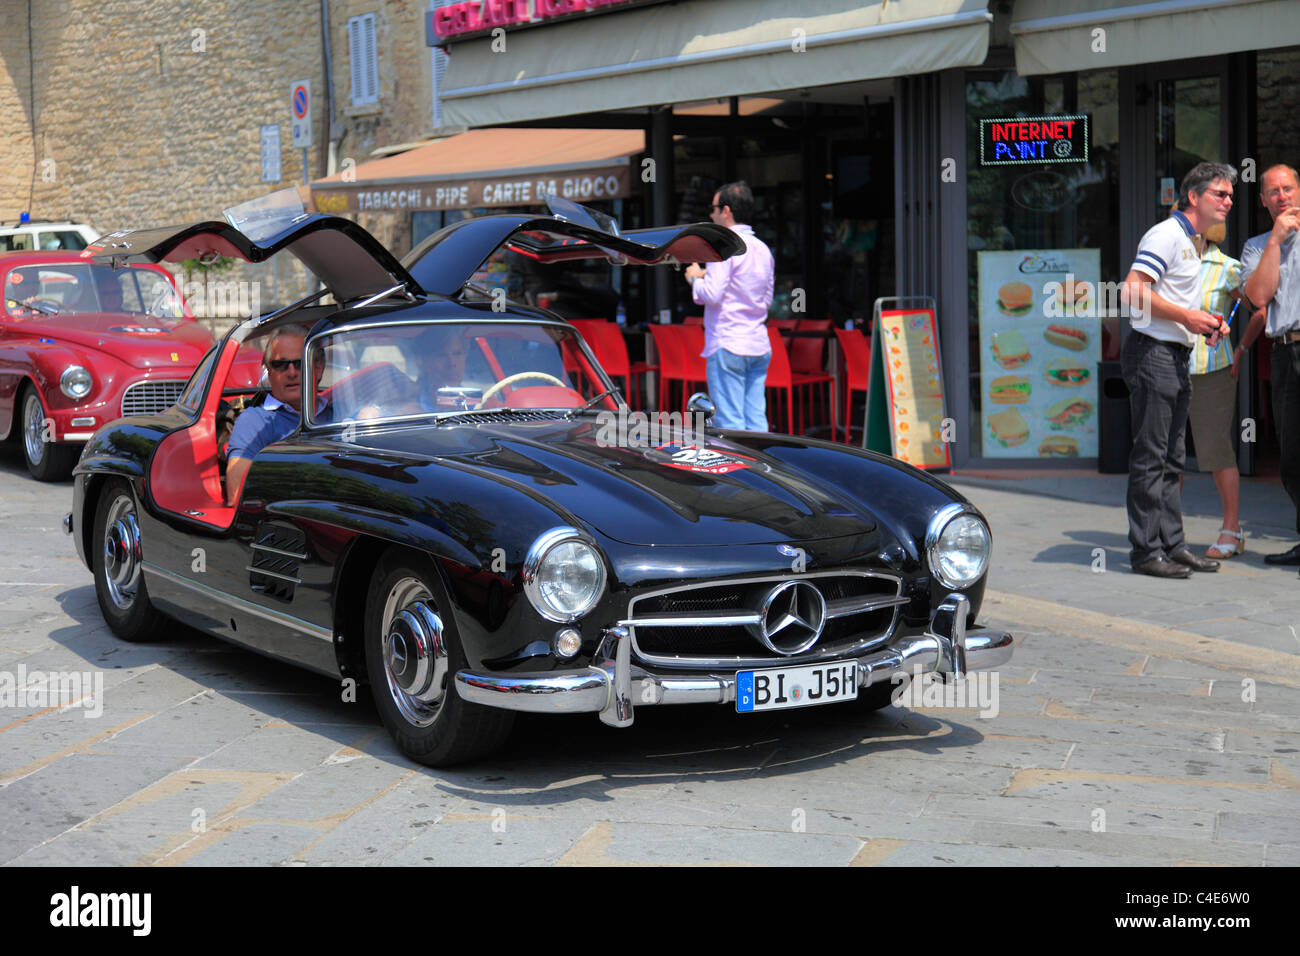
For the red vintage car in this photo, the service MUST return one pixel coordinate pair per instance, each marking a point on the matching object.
(82, 344)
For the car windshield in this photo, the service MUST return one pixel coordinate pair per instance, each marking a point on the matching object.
(450, 368)
(72, 288)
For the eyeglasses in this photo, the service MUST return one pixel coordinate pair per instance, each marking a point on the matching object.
(716, 206)
(1220, 194)
(279, 365)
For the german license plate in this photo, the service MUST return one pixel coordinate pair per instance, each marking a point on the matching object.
(784, 687)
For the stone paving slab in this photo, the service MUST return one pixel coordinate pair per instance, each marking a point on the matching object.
(969, 854)
(329, 788)
(1105, 733)
(306, 708)
(1156, 849)
(194, 728)
(1106, 705)
(35, 740)
(39, 807)
(1275, 744)
(1280, 855)
(275, 746)
(471, 840)
(249, 844)
(1258, 828)
(654, 844)
(1104, 789)
(287, 773)
(1022, 810)
(385, 826)
(1134, 759)
(1168, 667)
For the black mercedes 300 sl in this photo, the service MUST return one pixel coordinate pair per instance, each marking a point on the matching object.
(506, 538)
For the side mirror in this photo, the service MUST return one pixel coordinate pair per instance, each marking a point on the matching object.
(701, 404)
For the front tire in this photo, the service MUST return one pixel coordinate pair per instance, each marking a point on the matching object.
(116, 556)
(413, 652)
(47, 461)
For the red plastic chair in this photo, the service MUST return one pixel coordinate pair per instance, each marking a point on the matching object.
(808, 364)
(697, 366)
(779, 376)
(606, 340)
(786, 326)
(676, 364)
(855, 347)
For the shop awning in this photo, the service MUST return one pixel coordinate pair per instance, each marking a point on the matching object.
(674, 53)
(490, 168)
(1059, 36)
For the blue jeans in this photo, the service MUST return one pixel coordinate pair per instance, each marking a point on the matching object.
(736, 385)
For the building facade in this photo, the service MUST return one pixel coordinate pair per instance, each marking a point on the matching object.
(960, 150)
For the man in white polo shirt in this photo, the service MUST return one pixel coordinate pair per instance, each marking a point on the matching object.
(1162, 290)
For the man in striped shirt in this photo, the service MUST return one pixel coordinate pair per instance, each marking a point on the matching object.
(1162, 291)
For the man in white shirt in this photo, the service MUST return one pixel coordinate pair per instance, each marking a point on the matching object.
(1162, 290)
(1270, 268)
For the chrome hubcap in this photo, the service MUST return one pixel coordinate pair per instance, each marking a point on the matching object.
(33, 428)
(122, 553)
(415, 653)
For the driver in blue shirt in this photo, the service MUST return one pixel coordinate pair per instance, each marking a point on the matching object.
(276, 418)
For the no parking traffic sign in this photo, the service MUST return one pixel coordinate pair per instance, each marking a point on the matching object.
(300, 113)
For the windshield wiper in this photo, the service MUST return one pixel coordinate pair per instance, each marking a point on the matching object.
(592, 401)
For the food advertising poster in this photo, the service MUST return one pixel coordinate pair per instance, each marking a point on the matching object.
(1040, 342)
(909, 350)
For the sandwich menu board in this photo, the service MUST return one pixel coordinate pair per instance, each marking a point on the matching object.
(1040, 342)
(905, 381)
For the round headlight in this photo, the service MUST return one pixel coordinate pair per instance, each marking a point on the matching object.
(564, 575)
(958, 544)
(75, 382)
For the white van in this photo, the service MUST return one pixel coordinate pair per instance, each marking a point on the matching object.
(45, 234)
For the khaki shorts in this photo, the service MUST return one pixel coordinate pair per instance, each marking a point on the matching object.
(1214, 402)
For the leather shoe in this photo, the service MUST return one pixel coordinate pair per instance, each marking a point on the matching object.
(1195, 562)
(1286, 557)
(1159, 567)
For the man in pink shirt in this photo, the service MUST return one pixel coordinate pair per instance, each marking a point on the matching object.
(735, 294)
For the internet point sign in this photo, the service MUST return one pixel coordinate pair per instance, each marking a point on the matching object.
(1031, 140)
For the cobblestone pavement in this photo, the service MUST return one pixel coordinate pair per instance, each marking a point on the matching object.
(1140, 722)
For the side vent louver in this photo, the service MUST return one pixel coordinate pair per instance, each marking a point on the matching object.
(277, 555)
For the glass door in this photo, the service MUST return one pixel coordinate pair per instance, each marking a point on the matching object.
(1184, 106)
(1189, 128)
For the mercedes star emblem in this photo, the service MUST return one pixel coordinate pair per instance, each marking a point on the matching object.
(793, 615)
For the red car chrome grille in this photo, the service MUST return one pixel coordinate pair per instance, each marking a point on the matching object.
(150, 398)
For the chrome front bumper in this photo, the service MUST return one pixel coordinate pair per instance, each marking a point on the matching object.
(612, 685)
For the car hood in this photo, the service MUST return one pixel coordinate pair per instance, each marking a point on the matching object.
(708, 492)
(140, 341)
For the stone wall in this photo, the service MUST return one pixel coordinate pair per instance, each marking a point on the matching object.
(151, 114)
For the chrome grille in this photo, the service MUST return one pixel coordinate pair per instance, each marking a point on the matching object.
(717, 619)
(150, 398)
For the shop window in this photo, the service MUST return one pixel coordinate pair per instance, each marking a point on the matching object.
(363, 53)
(1277, 99)
(1043, 241)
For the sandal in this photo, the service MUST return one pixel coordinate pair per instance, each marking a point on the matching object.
(1232, 549)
